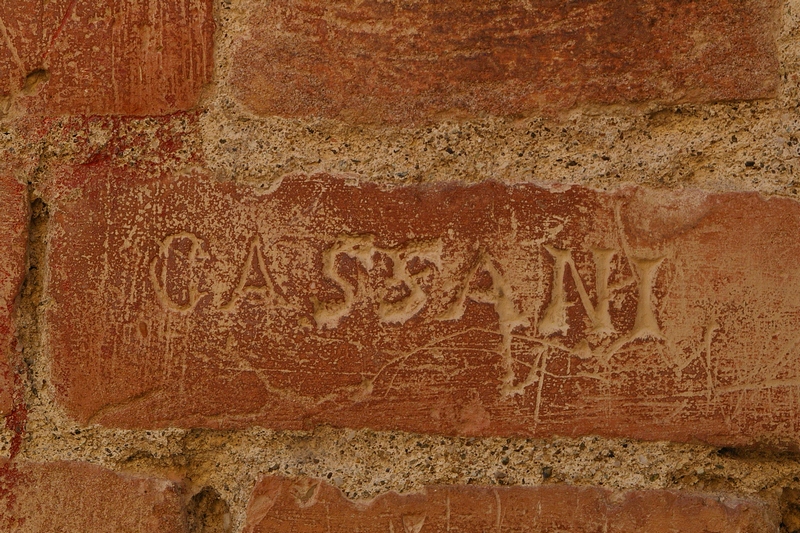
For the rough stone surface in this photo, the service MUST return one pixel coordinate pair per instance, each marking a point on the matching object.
(308, 505)
(13, 241)
(118, 57)
(79, 497)
(479, 310)
(412, 61)
(720, 146)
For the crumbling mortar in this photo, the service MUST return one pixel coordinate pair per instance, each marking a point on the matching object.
(677, 146)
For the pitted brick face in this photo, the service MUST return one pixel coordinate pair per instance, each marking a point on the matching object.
(73, 496)
(411, 62)
(467, 310)
(309, 505)
(107, 58)
(402, 266)
(13, 241)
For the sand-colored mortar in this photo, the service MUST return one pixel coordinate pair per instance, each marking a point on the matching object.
(742, 146)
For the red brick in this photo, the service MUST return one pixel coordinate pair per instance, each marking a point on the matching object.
(182, 301)
(311, 506)
(412, 61)
(13, 241)
(117, 57)
(65, 496)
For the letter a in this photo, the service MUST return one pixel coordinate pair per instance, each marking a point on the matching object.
(499, 295)
(254, 279)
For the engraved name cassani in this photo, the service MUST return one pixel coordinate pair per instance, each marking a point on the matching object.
(405, 269)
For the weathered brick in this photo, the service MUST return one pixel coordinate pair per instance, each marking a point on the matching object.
(473, 310)
(13, 241)
(414, 61)
(118, 57)
(78, 497)
(307, 505)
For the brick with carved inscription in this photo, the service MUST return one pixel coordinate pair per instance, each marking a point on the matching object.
(79, 497)
(484, 309)
(416, 61)
(306, 505)
(13, 241)
(117, 57)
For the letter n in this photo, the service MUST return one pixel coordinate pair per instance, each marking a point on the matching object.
(554, 318)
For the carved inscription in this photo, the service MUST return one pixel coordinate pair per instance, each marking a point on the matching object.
(187, 295)
(255, 278)
(401, 293)
(467, 310)
(401, 296)
(554, 317)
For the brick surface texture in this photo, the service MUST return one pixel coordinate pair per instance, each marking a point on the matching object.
(409, 61)
(404, 266)
(78, 497)
(116, 57)
(307, 505)
(13, 240)
(481, 310)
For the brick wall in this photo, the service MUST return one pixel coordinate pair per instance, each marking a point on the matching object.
(399, 266)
